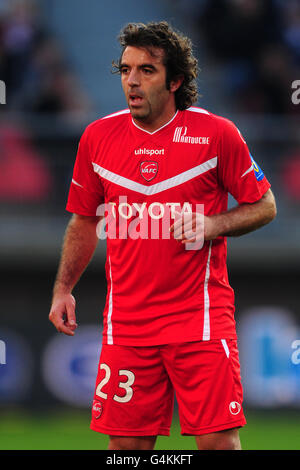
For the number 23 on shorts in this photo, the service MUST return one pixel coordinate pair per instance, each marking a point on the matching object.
(124, 384)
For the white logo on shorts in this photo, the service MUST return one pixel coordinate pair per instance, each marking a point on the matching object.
(234, 407)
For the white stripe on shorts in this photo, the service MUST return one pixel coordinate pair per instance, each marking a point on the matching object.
(225, 346)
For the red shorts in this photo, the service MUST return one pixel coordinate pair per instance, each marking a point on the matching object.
(134, 394)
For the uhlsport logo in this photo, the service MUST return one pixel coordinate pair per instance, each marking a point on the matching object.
(149, 170)
(234, 407)
(150, 152)
(180, 136)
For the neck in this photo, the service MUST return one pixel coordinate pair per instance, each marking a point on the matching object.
(152, 126)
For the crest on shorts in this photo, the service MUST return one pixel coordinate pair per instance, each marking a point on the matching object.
(234, 407)
(148, 170)
(97, 409)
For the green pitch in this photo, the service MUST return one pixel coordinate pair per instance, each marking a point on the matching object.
(70, 431)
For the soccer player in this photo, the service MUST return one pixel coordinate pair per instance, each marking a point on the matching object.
(168, 322)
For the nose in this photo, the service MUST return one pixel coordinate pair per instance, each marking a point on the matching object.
(133, 78)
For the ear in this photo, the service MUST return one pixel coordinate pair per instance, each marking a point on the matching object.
(176, 83)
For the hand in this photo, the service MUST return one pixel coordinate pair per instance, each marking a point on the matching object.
(194, 227)
(62, 314)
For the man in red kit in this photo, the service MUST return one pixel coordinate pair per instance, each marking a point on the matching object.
(168, 323)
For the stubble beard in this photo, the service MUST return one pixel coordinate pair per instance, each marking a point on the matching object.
(142, 115)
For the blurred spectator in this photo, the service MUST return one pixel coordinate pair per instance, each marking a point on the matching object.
(20, 32)
(237, 29)
(37, 75)
(291, 27)
(51, 87)
(39, 81)
(269, 89)
(256, 44)
(24, 176)
(291, 176)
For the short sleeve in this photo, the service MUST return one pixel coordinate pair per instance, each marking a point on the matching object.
(238, 172)
(86, 191)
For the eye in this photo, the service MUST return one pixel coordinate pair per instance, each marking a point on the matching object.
(148, 71)
(124, 70)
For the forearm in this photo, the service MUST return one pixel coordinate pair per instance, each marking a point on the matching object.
(79, 244)
(242, 219)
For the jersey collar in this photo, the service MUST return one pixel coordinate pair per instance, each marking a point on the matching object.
(157, 130)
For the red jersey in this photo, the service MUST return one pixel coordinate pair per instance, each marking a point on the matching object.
(158, 291)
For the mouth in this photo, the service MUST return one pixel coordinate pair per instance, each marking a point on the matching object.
(135, 99)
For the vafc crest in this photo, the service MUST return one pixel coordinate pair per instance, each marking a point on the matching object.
(148, 170)
(97, 409)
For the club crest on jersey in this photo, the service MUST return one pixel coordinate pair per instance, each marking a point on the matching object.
(97, 409)
(148, 170)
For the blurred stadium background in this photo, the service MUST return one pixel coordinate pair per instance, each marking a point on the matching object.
(55, 59)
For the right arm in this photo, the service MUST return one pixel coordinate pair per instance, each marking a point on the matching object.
(79, 244)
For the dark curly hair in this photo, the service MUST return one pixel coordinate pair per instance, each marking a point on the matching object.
(178, 56)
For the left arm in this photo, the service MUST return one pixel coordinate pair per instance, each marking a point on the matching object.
(242, 219)
(238, 221)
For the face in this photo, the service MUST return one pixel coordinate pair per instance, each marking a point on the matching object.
(143, 77)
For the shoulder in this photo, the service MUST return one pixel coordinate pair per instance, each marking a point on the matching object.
(217, 127)
(100, 126)
(201, 114)
(224, 129)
